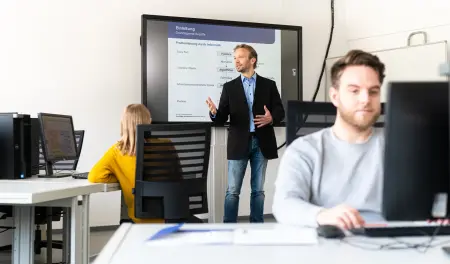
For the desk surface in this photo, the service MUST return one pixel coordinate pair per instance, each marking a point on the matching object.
(108, 187)
(128, 246)
(38, 190)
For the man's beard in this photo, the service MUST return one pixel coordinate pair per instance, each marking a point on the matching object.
(243, 69)
(361, 125)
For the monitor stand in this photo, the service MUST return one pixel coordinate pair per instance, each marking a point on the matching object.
(49, 172)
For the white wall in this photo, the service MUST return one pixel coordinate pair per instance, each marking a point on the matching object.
(381, 17)
(83, 58)
(382, 24)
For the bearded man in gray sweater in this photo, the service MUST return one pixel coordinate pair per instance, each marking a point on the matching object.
(334, 176)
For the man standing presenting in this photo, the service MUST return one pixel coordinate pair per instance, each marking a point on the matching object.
(254, 106)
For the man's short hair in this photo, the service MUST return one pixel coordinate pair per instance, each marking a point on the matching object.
(355, 58)
(251, 50)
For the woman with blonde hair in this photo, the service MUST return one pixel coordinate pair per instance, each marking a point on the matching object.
(118, 164)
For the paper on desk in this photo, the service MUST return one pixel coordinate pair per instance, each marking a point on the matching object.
(194, 238)
(279, 235)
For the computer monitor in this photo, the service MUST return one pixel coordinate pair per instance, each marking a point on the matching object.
(305, 117)
(58, 141)
(416, 161)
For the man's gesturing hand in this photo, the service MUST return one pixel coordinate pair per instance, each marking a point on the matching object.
(212, 107)
(263, 120)
(342, 216)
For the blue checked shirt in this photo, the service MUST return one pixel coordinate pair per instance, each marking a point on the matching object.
(249, 89)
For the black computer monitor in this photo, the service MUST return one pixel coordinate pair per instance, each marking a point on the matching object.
(58, 141)
(305, 117)
(416, 161)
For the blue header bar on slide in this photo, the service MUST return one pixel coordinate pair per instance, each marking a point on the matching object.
(182, 30)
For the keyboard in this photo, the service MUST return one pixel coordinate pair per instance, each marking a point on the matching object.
(55, 175)
(403, 231)
(80, 175)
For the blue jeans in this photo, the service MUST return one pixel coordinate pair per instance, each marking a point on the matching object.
(236, 172)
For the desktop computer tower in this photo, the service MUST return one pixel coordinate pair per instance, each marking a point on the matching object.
(15, 146)
(35, 145)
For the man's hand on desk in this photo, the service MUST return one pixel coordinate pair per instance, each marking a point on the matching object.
(342, 216)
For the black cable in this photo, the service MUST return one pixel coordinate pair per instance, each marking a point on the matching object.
(6, 229)
(323, 66)
(398, 244)
(433, 236)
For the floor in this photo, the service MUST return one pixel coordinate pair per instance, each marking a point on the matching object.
(98, 241)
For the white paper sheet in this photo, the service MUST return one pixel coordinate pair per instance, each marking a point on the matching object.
(280, 235)
(195, 238)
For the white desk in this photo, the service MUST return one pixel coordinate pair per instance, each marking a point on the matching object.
(70, 181)
(25, 194)
(128, 246)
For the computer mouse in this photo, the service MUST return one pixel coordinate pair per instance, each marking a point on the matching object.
(330, 231)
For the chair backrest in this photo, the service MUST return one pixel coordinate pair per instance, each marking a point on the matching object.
(171, 170)
(65, 164)
(304, 118)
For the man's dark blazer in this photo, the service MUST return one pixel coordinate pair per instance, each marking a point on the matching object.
(233, 103)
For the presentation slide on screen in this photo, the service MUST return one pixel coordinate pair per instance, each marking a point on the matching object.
(200, 61)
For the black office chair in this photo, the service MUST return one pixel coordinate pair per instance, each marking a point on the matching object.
(171, 171)
(65, 164)
(124, 218)
(304, 118)
(41, 213)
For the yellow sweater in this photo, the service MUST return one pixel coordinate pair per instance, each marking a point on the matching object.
(116, 167)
